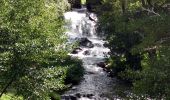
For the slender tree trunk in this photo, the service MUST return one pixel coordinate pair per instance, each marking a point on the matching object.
(143, 3)
(149, 3)
(124, 6)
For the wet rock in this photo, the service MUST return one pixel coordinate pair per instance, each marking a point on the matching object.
(92, 19)
(97, 45)
(87, 52)
(68, 97)
(76, 50)
(89, 72)
(111, 74)
(65, 97)
(85, 42)
(73, 88)
(105, 54)
(95, 55)
(101, 64)
(89, 96)
(78, 95)
(109, 53)
(107, 70)
(73, 97)
(106, 44)
(84, 95)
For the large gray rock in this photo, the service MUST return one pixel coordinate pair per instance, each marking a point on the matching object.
(101, 64)
(87, 52)
(76, 50)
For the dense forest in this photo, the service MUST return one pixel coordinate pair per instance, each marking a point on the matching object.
(138, 35)
(34, 60)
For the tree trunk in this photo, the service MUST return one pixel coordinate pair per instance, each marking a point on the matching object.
(143, 3)
(149, 3)
(124, 6)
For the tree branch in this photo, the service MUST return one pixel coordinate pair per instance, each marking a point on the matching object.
(9, 83)
(151, 11)
(162, 40)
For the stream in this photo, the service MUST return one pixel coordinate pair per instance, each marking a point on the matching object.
(96, 84)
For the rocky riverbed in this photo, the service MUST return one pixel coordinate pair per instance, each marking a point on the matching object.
(96, 85)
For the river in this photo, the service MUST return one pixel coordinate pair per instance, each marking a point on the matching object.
(96, 85)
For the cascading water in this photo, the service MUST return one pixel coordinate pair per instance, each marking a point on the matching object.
(96, 84)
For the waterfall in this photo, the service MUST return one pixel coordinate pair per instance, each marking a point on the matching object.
(96, 84)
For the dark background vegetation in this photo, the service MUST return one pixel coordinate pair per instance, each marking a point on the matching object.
(138, 33)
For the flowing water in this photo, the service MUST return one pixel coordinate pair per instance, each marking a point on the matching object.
(96, 85)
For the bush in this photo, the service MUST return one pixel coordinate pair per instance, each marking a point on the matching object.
(75, 72)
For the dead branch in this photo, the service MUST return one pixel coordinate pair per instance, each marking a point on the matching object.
(151, 11)
(162, 40)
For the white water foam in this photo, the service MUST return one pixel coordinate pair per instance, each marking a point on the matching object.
(96, 81)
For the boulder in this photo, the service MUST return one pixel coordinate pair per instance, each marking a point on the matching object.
(76, 50)
(98, 45)
(73, 97)
(87, 52)
(102, 64)
(86, 43)
(78, 95)
(111, 73)
(106, 44)
(89, 96)
(65, 97)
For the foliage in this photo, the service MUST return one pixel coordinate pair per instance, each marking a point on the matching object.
(155, 78)
(32, 47)
(10, 96)
(139, 41)
(83, 2)
(75, 72)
